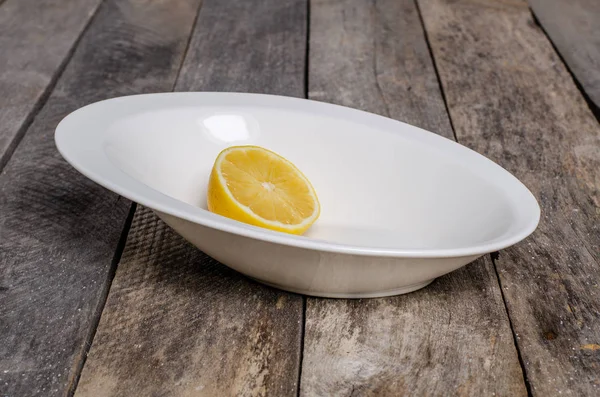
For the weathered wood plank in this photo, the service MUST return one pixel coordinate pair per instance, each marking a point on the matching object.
(451, 338)
(512, 99)
(176, 322)
(220, 57)
(573, 28)
(36, 37)
(374, 57)
(179, 323)
(58, 230)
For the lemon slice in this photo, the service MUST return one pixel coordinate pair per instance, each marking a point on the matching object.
(254, 185)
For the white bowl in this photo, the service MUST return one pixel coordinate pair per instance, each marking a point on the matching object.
(400, 205)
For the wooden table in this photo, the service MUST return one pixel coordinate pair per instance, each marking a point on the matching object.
(100, 298)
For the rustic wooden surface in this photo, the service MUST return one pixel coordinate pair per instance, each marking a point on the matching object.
(512, 99)
(452, 337)
(373, 56)
(36, 38)
(58, 230)
(177, 322)
(574, 28)
(242, 46)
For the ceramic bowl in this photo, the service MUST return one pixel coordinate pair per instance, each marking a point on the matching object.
(400, 205)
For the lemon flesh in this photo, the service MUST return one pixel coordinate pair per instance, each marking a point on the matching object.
(256, 186)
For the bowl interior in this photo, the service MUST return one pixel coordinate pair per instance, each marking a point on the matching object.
(382, 187)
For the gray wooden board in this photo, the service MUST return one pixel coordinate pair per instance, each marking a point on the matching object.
(242, 46)
(450, 338)
(574, 28)
(58, 230)
(511, 99)
(36, 37)
(177, 322)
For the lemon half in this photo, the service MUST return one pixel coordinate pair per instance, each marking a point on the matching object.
(256, 186)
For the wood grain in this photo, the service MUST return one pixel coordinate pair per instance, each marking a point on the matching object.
(36, 38)
(573, 28)
(58, 230)
(373, 56)
(451, 338)
(512, 99)
(255, 47)
(177, 322)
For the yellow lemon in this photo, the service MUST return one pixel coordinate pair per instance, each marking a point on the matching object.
(254, 185)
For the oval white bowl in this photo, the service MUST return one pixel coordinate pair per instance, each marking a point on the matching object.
(400, 205)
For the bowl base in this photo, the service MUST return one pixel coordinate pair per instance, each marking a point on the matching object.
(351, 295)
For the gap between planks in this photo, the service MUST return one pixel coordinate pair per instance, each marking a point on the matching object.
(62, 264)
(105, 291)
(435, 68)
(520, 94)
(44, 95)
(124, 234)
(398, 55)
(593, 107)
(252, 331)
(306, 88)
(512, 327)
(491, 255)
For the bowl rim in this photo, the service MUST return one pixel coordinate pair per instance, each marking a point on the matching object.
(85, 152)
